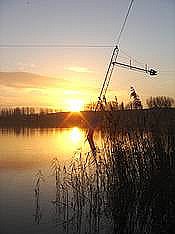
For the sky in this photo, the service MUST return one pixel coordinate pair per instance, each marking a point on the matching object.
(60, 75)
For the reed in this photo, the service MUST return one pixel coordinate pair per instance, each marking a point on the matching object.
(37, 184)
(141, 175)
(127, 186)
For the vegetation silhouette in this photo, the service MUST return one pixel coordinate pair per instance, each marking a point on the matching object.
(128, 186)
(131, 114)
(160, 102)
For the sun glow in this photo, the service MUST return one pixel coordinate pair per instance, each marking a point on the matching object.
(75, 135)
(75, 105)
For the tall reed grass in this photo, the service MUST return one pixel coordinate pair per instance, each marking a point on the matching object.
(126, 186)
(37, 184)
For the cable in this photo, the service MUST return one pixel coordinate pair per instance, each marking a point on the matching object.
(56, 45)
(114, 56)
(124, 23)
(108, 78)
(131, 57)
(72, 45)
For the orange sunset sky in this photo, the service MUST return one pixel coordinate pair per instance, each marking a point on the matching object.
(34, 72)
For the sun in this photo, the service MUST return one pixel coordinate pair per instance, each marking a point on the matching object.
(75, 105)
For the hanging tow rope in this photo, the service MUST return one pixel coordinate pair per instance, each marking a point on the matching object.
(108, 77)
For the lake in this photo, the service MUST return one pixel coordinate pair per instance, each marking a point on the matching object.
(50, 181)
(23, 152)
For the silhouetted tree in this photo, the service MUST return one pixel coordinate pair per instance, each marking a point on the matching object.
(105, 105)
(24, 111)
(128, 106)
(17, 111)
(90, 107)
(121, 106)
(136, 102)
(116, 103)
(160, 102)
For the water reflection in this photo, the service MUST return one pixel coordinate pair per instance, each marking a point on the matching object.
(34, 148)
(74, 199)
(76, 135)
(22, 153)
(118, 192)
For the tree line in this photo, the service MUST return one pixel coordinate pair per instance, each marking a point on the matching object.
(25, 111)
(135, 103)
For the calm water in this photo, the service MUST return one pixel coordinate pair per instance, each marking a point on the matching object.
(22, 153)
(25, 210)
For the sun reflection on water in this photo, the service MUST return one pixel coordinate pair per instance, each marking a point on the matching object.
(36, 148)
(75, 135)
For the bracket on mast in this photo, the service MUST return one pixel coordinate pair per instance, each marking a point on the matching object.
(152, 72)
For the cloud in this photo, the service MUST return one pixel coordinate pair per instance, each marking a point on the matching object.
(29, 80)
(23, 88)
(79, 69)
